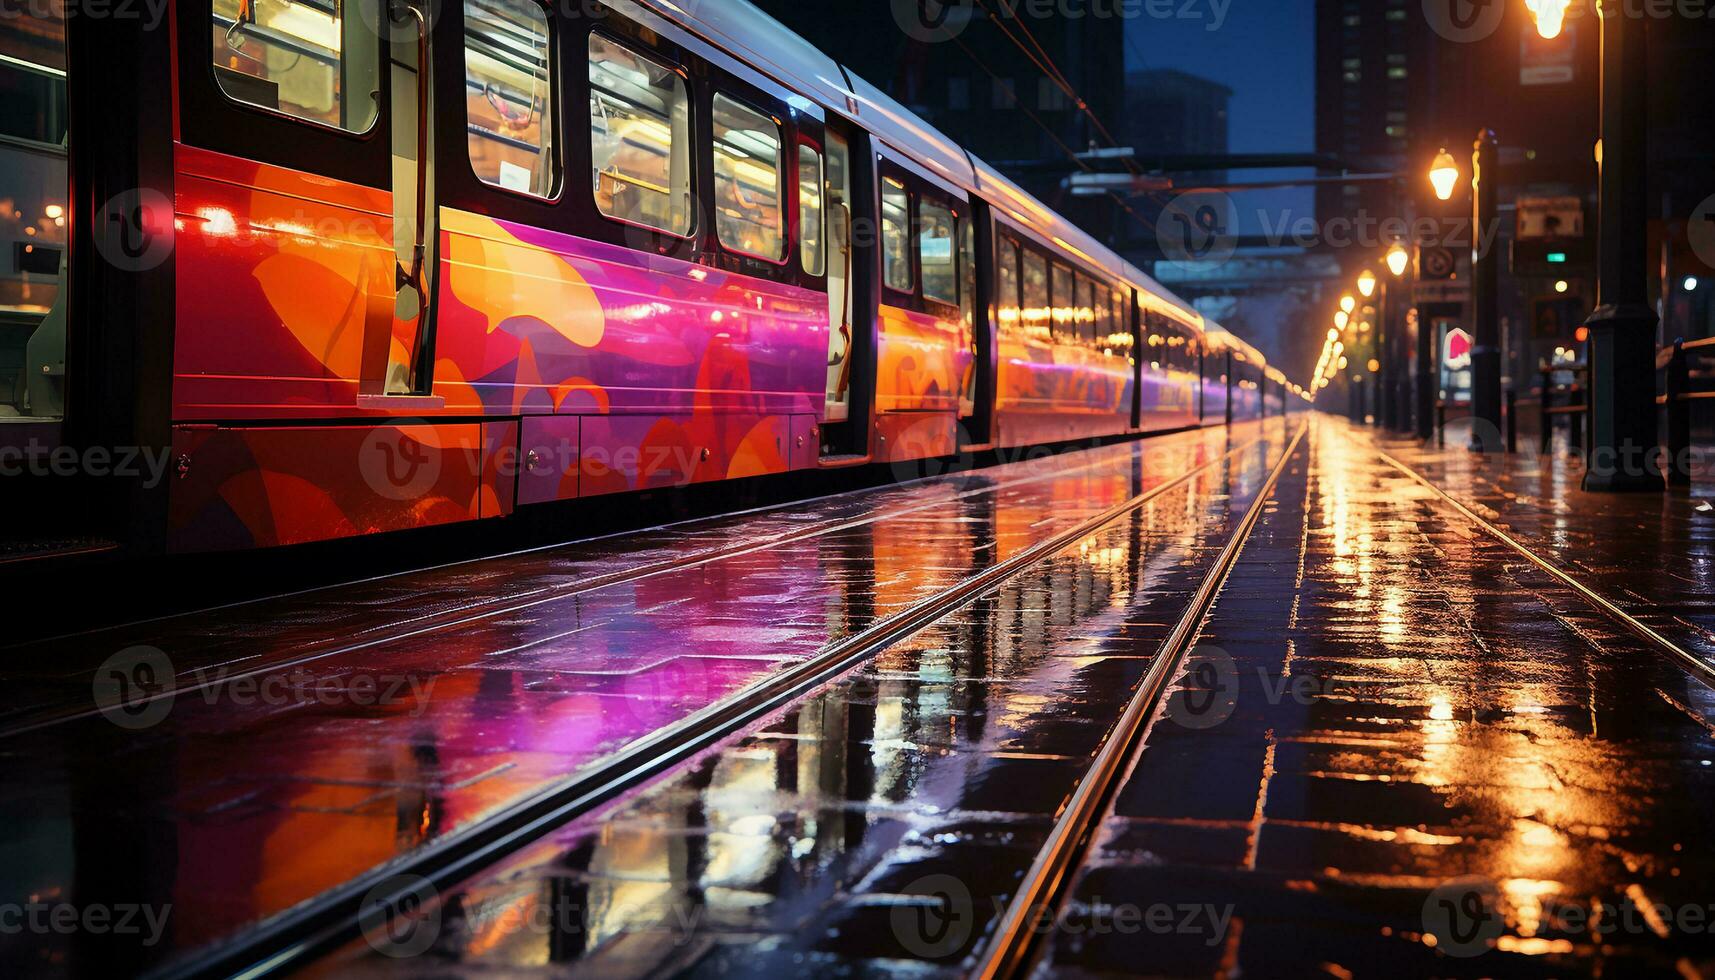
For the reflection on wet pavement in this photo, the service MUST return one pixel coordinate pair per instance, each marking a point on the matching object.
(1425, 756)
(1399, 747)
(236, 800)
(818, 842)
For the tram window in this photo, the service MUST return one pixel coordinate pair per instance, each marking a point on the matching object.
(810, 210)
(639, 139)
(1036, 312)
(896, 235)
(1006, 284)
(309, 59)
(937, 233)
(1120, 334)
(968, 273)
(1087, 310)
(748, 194)
(509, 97)
(1064, 303)
(1104, 324)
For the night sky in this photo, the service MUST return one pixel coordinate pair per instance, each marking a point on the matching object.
(1263, 50)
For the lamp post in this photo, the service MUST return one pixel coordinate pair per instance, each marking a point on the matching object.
(1393, 358)
(1444, 178)
(1485, 299)
(1622, 328)
(1369, 286)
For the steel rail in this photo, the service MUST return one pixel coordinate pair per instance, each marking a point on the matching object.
(1046, 885)
(295, 937)
(1702, 669)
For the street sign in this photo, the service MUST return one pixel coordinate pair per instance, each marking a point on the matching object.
(1547, 61)
(1456, 350)
(1435, 262)
(1550, 217)
(1441, 291)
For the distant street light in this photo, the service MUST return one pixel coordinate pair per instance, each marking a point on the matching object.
(1341, 318)
(1367, 283)
(1690, 284)
(1561, 285)
(1550, 16)
(1397, 259)
(1444, 174)
(1333, 333)
(1347, 303)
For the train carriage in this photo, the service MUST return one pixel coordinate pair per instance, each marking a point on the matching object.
(590, 250)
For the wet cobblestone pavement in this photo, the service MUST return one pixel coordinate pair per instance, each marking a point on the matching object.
(248, 791)
(1653, 553)
(1403, 750)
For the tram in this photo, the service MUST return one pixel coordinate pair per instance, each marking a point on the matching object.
(327, 268)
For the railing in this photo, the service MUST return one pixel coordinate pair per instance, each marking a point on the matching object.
(1574, 405)
(1678, 391)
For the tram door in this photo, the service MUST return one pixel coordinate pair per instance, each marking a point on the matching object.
(840, 319)
(34, 203)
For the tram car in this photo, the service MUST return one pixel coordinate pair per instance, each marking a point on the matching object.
(308, 290)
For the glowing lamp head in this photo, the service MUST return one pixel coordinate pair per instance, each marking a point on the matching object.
(1333, 334)
(1341, 318)
(1561, 285)
(1374, 365)
(1550, 16)
(1444, 174)
(1347, 303)
(1367, 283)
(1397, 259)
(1690, 284)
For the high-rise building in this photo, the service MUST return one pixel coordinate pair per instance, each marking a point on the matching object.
(992, 85)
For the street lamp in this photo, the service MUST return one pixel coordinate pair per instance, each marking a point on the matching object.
(1347, 303)
(1444, 174)
(1397, 259)
(1341, 318)
(1367, 283)
(1550, 16)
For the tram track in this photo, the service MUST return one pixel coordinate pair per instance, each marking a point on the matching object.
(296, 937)
(1698, 667)
(1010, 952)
(191, 680)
